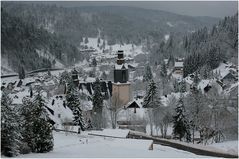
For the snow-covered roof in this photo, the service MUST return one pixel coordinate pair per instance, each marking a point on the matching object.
(58, 108)
(224, 69)
(166, 61)
(90, 79)
(203, 83)
(188, 80)
(178, 64)
(119, 67)
(18, 96)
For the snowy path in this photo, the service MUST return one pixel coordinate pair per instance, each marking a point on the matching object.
(74, 145)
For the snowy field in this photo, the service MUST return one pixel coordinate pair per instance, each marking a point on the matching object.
(83, 145)
(227, 146)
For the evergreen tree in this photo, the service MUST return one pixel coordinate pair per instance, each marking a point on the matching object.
(147, 74)
(176, 86)
(97, 104)
(104, 76)
(28, 119)
(163, 71)
(65, 77)
(73, 102)
(10, 128)
(152, 103)
(151, 99)
(196, 78)
(42, 129)
(94, 62)
(86, 40)
(163, 74)
(78, 119)
(183, 86)
(181, 127)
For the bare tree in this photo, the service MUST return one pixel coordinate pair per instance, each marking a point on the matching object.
(115, 106)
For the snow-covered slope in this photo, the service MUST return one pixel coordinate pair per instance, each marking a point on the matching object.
(75, 145)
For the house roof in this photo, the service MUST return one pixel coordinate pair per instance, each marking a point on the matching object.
(136, 103)
(133, 104)
(229, 75)
(178, 64)
(119, 67)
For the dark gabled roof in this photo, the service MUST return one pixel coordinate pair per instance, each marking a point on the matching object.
(229, 75)
(133, 105)
(74, 72)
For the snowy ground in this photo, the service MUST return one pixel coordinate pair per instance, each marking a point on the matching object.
(83, 145)
(227, 146)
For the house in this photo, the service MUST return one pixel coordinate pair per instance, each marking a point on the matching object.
(106, 88)
(132, 105)
(229, 78)
(166, 61)
(178, 68)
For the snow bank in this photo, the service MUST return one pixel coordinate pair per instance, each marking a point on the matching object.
(227, 146)
(84, 146)
(112, 132)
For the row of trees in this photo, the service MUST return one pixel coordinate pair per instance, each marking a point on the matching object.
(25, 129)
(191, 112)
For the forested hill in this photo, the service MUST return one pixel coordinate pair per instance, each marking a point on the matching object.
(117, 24)
(25, 45)
(203, 49)
(206, 48)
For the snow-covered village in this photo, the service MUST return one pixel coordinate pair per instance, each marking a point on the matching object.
(118, 81)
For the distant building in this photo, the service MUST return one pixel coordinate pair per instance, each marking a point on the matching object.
(229, 78)
(178, 68)
(74, 75)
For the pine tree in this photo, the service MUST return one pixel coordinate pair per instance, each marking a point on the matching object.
(147, 74)
(78, 119)
(97, 104)
(72, 100)
(196, 78)
(183, 86)
(180, 124)
(104, 76)
(163, 74)
(151, 99)
(86, 40)
(65, 77)
(176, 86)
(151, 102)
(94, 62)
(10, 128)
(42, 129)
(163, 71)
(27, 111)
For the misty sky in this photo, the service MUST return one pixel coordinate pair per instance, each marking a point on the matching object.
(192, 8)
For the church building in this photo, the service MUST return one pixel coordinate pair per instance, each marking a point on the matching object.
(121, 86)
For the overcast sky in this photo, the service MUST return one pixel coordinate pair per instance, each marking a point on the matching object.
(193, 8)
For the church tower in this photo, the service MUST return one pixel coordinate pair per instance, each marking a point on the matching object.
(121, 85)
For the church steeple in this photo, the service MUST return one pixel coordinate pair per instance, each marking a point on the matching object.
(120, 59)
(121, 73)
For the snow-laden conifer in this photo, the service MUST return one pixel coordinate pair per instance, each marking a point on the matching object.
(10, 128)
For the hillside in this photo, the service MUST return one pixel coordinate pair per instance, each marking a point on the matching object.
(116, 24)
(30, 47)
